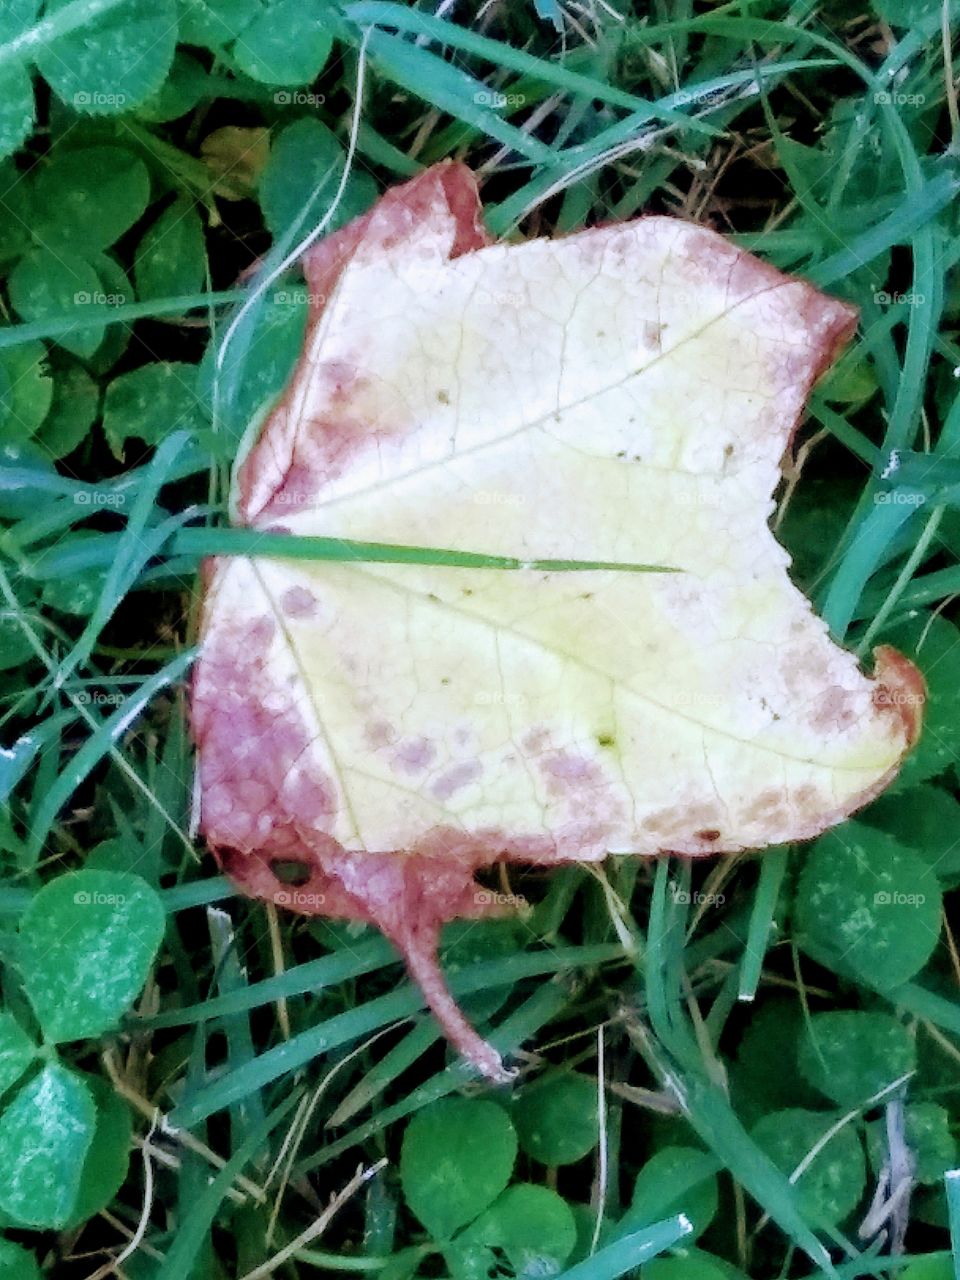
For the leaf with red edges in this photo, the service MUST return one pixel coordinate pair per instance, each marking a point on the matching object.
(622, 395)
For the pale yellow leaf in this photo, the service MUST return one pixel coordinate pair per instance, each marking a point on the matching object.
(625, 395)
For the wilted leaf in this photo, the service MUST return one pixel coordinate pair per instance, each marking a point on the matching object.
(621, 396)
(235, 158)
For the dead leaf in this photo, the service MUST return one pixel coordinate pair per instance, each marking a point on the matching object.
(236, 157)
(624, 394)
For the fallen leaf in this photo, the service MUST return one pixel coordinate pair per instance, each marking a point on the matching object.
(621, 395)
(236, 157)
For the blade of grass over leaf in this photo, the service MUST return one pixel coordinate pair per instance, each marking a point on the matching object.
(902, 223)
(455, 91)
(547, 1002)
(135, 546)
(614, 142)
(96, 747)
(860, 561)
(615, 1259)
(204, 542)
(192, 1232)
(952, 1185)
(96, 316)
(413, 22)
(773, 868)
(199, 543)
(352, 1025)
(302, 979)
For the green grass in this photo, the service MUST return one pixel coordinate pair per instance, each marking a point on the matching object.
(268, 1058)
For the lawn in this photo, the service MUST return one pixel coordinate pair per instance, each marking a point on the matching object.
(737, 1066)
